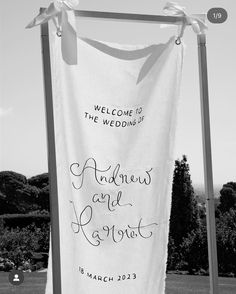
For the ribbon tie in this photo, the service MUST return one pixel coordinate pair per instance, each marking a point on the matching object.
(58, 13)
(197, 23)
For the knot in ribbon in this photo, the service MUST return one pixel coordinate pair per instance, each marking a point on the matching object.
(57, 9)
(58, 13)
(197, 23)
(66, 4)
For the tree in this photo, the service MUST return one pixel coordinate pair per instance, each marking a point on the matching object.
(174, 257)
(226, 241)
(43, 199)
(41, 182)
(227, 197)
(184, 211)
(19, 195)
(193, 251)
(11, 186)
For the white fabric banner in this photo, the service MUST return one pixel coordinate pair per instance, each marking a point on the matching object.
(115, 120)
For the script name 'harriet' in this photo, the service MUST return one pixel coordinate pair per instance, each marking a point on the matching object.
(115, 234)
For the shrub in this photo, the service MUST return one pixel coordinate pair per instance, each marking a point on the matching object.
(173, 255)
(193, 250)
(18, 245)
(23, 220)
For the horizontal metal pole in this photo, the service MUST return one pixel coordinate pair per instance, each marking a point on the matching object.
(147, 18)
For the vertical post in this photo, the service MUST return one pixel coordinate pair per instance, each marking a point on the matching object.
(54, 212)
(208, 178)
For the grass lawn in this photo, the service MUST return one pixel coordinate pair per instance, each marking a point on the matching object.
(185, 284)
(34, 283)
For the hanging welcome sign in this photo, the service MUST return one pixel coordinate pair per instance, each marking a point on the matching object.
(115, 120)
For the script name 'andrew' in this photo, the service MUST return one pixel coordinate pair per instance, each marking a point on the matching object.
(109, 175)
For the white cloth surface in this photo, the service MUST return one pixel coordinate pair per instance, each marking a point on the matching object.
(115, 116)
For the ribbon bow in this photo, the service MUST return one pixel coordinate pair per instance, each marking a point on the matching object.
(57, 12)
(198, 25)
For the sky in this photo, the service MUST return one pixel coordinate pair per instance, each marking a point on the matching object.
(23, 146)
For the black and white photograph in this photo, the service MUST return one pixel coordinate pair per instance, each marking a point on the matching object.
(117, 153)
